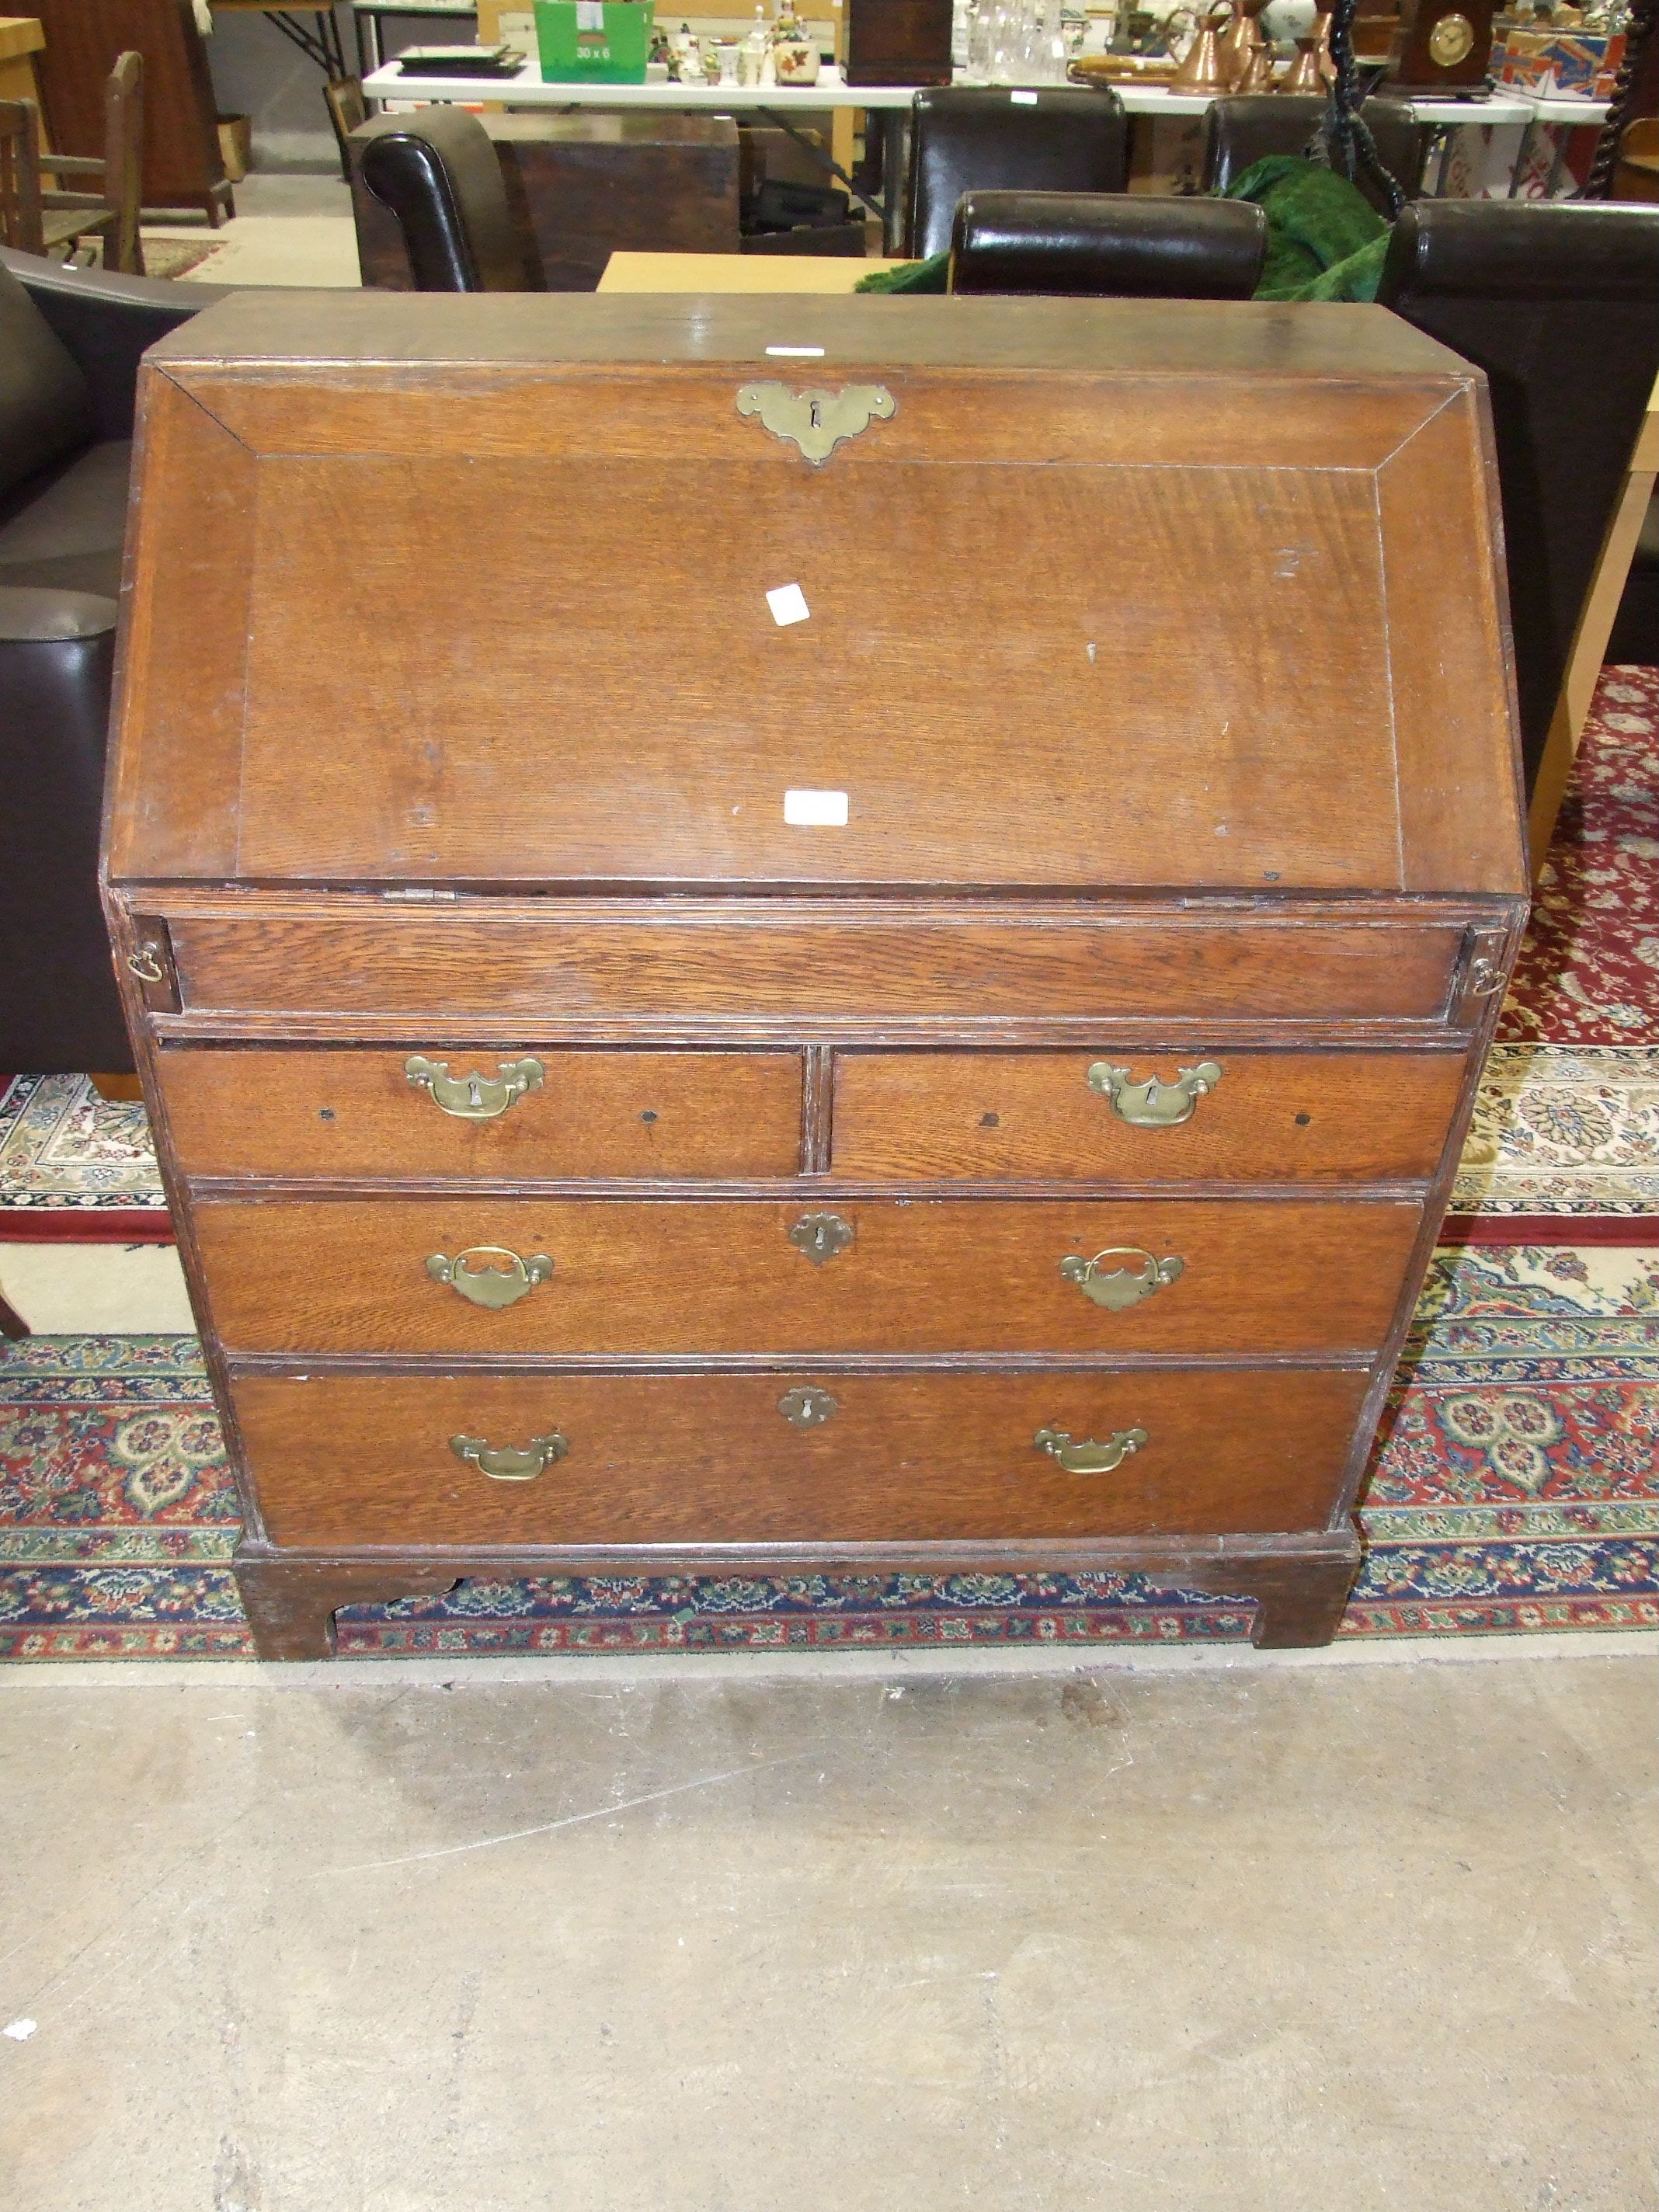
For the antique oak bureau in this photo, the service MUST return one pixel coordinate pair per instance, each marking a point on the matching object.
(801, 934)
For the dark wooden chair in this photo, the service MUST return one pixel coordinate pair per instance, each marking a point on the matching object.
(970, 138)
(111, 214)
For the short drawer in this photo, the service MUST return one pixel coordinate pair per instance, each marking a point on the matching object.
(742, 1276)
(832, 962)
(1257, 1117)
(789, 1458)
(534, 1111)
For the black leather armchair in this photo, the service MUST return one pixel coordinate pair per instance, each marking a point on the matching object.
(1560, 305)
(70, 344)
(438, 174)
(967, 138)
(1245, 129)
(1108, 245)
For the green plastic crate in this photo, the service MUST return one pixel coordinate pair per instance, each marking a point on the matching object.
(594, 41)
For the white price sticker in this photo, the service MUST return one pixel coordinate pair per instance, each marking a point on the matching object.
(815, 810)
(789, 605)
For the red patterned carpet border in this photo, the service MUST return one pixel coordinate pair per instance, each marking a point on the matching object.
(1588, 971)
(1514, 1490)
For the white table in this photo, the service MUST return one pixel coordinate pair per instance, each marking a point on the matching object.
(891, 104)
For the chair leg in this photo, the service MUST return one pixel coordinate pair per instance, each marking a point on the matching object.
(116, 1089)
(12, 1323)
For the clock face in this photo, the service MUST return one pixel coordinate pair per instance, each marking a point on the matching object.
(1451, 41)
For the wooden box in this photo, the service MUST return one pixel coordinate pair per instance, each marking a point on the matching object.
(809, 934)
(583, 187)
(898, 41)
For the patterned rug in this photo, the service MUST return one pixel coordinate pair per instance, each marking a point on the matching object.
(1516, 1488)
(1565, 1139)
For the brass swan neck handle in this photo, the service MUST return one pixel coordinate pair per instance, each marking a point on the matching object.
(474, 1097)
(1086, 1456)
(503, 1463)
(1152, 1104)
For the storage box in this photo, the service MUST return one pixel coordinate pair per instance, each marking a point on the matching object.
(1555, 64)
(236, 146)
(594, 41)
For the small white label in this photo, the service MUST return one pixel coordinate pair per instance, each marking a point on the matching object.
(789, 605)
(590, 15)
(816, 809)
(797, 353)
(19, 2030)
(1021, 100)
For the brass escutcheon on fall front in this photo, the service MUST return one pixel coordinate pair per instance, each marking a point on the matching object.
(474, 1097)
(1086, 1456)
(503, 1463)
(1152, 1104)
(821, 1235)
(816, 420)
(491, 1285)
(805, 1407)
(1119, 1288)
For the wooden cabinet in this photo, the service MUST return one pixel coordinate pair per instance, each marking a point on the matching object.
(870, 953)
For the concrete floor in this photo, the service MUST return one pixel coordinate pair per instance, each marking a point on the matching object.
(1224, 1937)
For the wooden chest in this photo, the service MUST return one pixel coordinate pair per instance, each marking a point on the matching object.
(808, 933)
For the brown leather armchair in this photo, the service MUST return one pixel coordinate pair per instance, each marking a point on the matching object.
(438, 173)
(70, 344)
(1560, 305)
(1245, 129)
(1108, 245)
(968, 138)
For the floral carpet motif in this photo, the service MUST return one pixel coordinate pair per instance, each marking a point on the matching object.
(1515, 1486)
(63, 1146)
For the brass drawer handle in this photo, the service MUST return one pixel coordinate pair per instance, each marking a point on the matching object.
(1123, 1286)
(474, 1097)
(492, 1285)
(1088, 1458)
(1486, 976)
(502, 1463)
(807, 1408)
(1152, 1104)
(821, 1235)
(145, 964)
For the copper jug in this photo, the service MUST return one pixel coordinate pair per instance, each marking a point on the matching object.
(1201, 70)
(1239, 45)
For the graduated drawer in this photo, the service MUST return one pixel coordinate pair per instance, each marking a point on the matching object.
(672, 1276)
(836, 960)
(706, 1459)
(566, 1113)
(1267, 1117)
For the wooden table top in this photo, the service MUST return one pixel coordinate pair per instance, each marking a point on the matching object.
(736, 272)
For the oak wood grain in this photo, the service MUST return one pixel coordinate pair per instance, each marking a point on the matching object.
(692, 1276)
(1298, 1117)
(711, 1459)
(656, 1115)
(815, 967)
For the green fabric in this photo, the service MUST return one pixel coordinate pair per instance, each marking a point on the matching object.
(929, 275)
(1325, 239)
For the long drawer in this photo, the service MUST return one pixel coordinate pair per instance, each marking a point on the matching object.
(457, 1111)
(1140, 1116)
(666, 1276)
(834, 960)
(778, 1459)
